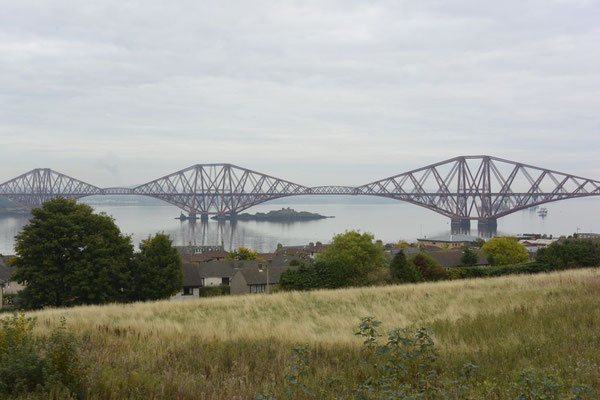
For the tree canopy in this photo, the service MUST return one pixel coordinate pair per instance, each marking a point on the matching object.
(157, 270)
(67, 255)
(468, 257)
(428, 268)
(243, 253)
(351, 256)
(404, 271)
(570, 253)
(504, 251)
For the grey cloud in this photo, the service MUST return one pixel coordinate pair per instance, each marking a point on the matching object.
(361, 88)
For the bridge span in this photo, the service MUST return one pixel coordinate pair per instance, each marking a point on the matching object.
(465, 188)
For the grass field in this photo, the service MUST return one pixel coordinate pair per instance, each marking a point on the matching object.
(238, 347)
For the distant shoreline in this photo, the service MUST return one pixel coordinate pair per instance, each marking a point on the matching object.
(14, 213)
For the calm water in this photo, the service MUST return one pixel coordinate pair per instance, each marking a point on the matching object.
(389, 221)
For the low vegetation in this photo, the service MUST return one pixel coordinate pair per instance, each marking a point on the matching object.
(523, 337)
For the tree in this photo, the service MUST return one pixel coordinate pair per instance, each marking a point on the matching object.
(429, 269)
(157, 270)
(352, 256)
(67, 255)
(243, 253)
(404, 271)
(468, 257)
(504, 251)
(569, 253)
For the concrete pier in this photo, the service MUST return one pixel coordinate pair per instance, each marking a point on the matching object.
(458, 226)
(487, 227)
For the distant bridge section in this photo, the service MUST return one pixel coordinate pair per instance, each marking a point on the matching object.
(463, 188)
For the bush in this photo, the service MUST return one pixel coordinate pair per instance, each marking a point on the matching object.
(21, 366)
(351, 257)
(485, 272)
(211, 291)
(570, 253)
(429, 268)
(504, 251)
(28, 366)
(404, 271)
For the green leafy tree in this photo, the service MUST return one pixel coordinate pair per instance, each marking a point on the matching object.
(504, 251)
(430, 270)
(468, 257)
(404, 271)
(157, 272)
(243, 253)
(67, 256)
(352, 256)
(570, 253)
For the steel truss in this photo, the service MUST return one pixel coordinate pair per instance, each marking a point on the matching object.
(463, 188)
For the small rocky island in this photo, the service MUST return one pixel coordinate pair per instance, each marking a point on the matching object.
(283, 215)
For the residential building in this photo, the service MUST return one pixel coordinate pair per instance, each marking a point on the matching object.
(452, 259)
(256, 279)
(217, 273)
(306, 251)
(586, 235)
(215, 255)
(449, 241)
(194, 249)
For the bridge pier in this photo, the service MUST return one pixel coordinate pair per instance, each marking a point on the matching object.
(203, 217)
(460, 225)
(487, 227)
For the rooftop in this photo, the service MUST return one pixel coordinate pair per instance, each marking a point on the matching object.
(256, 276)
(451, 239)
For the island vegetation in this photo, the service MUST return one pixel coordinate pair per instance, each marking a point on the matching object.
(284, 215)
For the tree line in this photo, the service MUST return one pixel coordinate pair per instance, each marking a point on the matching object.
(354, 259)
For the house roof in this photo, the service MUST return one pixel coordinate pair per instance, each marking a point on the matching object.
(256, 276)
(204, 257)
(451, 239)
(451, 259)
(194, 273)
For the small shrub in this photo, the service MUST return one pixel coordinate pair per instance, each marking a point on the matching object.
(21, 366)
(210, 291)
(63, 367)
(27, 365)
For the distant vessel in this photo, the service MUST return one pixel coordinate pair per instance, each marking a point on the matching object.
(542, 212)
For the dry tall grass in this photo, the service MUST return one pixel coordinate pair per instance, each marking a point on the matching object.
(235, 347)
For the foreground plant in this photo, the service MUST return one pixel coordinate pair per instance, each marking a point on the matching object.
(27, 365)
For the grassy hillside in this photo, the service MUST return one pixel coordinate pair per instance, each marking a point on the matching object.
(237, 347)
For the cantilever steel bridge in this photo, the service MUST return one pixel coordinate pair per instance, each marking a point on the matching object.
(463, 188)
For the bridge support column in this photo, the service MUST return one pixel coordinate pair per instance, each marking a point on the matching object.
(204, 217)
(459, 225)
(192, 216)
(487, 227)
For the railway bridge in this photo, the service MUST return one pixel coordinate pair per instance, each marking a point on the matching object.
(465, 188)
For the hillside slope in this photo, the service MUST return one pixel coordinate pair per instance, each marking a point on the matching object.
(236, 347)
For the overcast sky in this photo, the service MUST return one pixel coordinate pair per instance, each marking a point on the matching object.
(317, 92)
